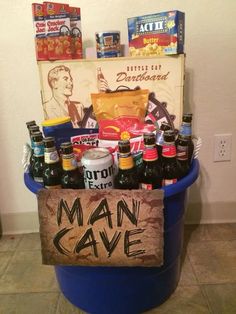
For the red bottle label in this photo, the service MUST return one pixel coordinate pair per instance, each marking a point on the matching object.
(166, 182)
(150, 154)
(146, 186)
(168, 151)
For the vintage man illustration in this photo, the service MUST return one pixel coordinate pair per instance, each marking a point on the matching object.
(61, 84)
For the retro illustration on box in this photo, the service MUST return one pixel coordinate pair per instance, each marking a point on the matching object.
(67, 87)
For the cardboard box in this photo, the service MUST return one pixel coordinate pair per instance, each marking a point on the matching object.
(67, 84)
(41, 46)
(156, 34)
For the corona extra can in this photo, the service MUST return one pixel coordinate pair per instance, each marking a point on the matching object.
(98, 169)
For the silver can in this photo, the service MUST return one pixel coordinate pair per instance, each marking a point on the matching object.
(98, 169)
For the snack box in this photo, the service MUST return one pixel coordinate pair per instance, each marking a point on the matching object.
(39, 29)
(76, 34)
(156, 34)
(57, 18)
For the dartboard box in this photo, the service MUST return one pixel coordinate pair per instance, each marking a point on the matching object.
(163, 76)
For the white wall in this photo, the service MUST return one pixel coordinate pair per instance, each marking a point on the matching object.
(210, 94)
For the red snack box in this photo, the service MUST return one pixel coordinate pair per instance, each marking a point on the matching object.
(76, 34)
(57, 18)
(40, 35)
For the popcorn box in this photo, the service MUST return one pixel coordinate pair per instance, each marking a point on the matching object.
(156, 34)
(40, 35)
(76, 34)
(57, 18)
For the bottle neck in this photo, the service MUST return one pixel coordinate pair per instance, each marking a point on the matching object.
(186, 129)
(169, 150)
(69, 162)
(126, 161)
(51, 155)
(150, 153)
(38, 148)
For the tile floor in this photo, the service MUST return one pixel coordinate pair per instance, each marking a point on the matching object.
(207, 284)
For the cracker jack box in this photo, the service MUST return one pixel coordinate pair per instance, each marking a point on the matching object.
(76, 34)
(57, 18)
(41, 46)
(68, 85)
(156, 34)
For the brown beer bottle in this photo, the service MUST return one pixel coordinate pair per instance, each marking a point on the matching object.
(52, 166)
(186, 132)
(150, 175)
(169, 162)
(126, 178)
(71, 177)
(160, 137)
(38, 164)
(182, 155)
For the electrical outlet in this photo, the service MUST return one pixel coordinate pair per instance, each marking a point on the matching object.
(222, 147)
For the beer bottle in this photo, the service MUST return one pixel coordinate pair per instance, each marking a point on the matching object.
(32, 129)
(182, 155)
(52, 166)
(71, 177)
(150, 176)
(170, 165)
(186, 131)
(126, 178)
(38, 164)
(160, 137)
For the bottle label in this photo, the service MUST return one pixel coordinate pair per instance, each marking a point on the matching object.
(38, 179)
(126, 162)
(53, 186)
(160, 138)
(51, 157)
(150, 154)
(166, 182)
(182, 152)
(69, 162)
(186, 129)
(38, 149)
(146, 186)
(169, 151)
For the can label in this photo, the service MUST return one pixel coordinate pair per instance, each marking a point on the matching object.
(98, 172)
(108, 44)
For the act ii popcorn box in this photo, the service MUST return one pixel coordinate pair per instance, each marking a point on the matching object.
(156, 34)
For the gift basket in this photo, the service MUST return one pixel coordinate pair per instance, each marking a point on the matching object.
(112, 160)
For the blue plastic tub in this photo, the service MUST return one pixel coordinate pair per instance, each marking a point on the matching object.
(130, 290)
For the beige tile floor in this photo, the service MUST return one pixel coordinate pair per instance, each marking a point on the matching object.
(207, 284)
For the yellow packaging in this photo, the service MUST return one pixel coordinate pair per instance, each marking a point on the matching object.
(111, 105)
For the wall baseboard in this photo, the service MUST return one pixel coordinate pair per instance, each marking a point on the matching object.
(208, 213)
(19, 222)
(196, 213)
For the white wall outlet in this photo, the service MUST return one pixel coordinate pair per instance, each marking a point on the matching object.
(222, 150)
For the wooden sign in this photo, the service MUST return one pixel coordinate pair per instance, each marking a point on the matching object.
(101, 227)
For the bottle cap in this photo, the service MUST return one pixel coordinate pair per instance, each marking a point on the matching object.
(66, 148)
(49, 141)
(30, 123)
(169, 136)
(124, 146)
(187, 117)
